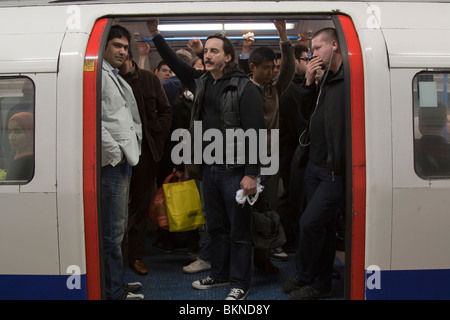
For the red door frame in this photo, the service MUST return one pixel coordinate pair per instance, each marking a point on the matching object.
(358, 213)
(91, 83)
(90, 173)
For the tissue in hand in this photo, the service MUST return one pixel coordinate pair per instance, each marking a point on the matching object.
(240, 198)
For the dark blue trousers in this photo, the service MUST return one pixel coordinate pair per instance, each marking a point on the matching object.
(228, 226)
(325, 193)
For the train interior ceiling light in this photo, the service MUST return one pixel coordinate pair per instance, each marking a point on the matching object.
(220, 27)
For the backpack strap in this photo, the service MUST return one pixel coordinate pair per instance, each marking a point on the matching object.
(232, 94)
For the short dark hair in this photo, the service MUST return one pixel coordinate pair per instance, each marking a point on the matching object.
(130, 52)
(329, 33)
(299, 49)
(228, 48)
(261, 54)
(160, 64)
(117, 31)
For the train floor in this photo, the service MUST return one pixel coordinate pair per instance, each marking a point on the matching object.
(166, 280)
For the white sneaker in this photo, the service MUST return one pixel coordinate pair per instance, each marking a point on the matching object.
(134, 296)
(278, 254)
(198, 265)
(132, 287)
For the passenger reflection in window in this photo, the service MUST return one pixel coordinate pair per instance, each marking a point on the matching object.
(26, 102)
(432, 150)
(20, 128)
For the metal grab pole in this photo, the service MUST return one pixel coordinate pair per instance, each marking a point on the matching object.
(231, 38)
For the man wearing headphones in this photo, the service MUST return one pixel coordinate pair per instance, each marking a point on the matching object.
(324, 180)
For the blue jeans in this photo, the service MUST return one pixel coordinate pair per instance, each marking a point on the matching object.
(325, 193)
(205, 250)
(115, 187)
(228, 226)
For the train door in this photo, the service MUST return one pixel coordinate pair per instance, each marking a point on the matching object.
(356, 136)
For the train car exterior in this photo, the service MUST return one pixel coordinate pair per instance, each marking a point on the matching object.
(398, 57)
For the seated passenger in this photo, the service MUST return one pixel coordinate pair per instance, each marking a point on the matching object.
(432, 152)
(20, 127)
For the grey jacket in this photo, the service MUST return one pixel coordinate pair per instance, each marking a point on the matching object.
(121, 124)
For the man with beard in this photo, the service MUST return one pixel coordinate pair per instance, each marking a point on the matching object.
(224, 99)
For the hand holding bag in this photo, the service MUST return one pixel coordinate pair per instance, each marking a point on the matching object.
(157, 210)
(184, 207)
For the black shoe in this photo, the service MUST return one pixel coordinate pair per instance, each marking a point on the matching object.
(237, 294)
(132, 287)
(310, 293)
(208, 283)
(164, 247)
(266, 266)
(293, 283)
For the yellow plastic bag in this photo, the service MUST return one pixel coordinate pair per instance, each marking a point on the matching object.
(184, 207)
(158, 211)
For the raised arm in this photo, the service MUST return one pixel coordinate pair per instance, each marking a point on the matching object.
(287, 70)
(144, 49)
(245, 53)
(185, 72)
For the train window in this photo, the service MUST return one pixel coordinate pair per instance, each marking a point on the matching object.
(431, 125)
(16, 130)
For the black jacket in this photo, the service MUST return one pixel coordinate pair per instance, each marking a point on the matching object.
(184, 71)
(212, 106)
(291, 124)
(209, 97)
(332, 100)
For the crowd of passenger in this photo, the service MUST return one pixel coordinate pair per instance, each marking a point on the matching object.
(299, 91)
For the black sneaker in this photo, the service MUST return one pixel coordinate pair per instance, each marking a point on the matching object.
(208, 283)
(132, 287)
(131, 296)
(310, 293)
(293, 283)
(237, 294)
